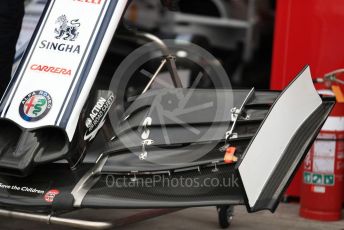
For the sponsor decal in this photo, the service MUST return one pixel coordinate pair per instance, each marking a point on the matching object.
(21, 188)
(51, 69)
(96, 119)
(50, 195)
(67, 30)
(35, 106)
(60, 47)
(90, 1)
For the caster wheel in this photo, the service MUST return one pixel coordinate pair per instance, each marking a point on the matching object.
(225, 214)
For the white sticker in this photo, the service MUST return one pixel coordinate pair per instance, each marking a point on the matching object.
(324, 154)
(319, 189)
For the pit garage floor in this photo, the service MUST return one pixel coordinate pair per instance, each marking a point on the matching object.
(286, 218)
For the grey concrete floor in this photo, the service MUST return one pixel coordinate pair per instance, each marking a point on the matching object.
(286, 218)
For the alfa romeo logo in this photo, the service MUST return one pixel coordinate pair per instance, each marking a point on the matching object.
(35, 106)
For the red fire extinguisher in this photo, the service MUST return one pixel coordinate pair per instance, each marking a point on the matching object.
(323, 169)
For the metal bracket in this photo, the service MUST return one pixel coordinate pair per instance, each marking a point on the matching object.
(215, 167)
(134, 179)
(144, 153)
(88, 180)
(235, 114)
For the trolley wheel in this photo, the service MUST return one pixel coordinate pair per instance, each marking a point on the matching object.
(225, 213)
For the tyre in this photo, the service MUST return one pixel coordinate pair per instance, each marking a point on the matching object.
(225, 214)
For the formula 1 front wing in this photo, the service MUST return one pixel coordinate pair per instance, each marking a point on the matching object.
(270, 142)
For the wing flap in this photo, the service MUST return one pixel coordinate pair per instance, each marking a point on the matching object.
(281, 142)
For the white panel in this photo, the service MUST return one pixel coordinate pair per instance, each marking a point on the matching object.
(87, 17)
(334, 124)
(72, 123)
(294, 106)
